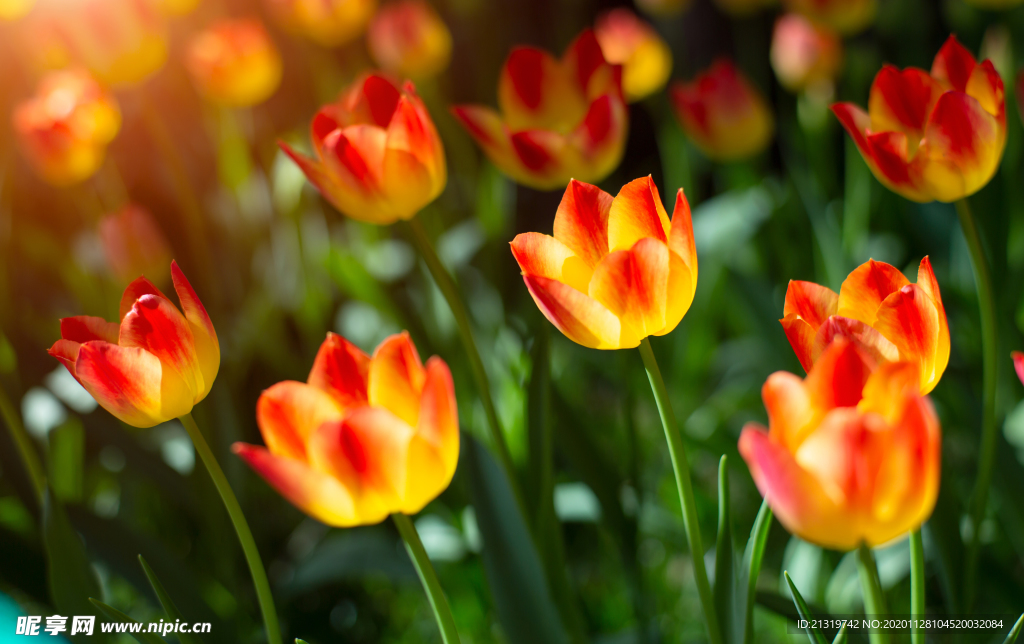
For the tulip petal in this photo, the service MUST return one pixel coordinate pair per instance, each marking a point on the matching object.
(963, 147)
(857, 124)
(540, 152)
(1016, 356)
(811, 302)
(679, 295)
(315, 493)
(545, 256)
(580, 317)
(289, 412)
(439, 415)
(154, 324)
(67, 352)
(633, 285)
(680, 237)
(909, 317)
(382, 98)
(85, 328)
(132, 384)
(412, 131)
(395, 379)
(901, 101)
(791, 411)
(356, 153)
(581, 222)
(801, 337)
(585, 58)
(868, 339)
(838, 375)
(636, 213)
(864, 289)
(986, 86)
(341, 369)
(134, 291)
(887, 389)
(953, 64)
(204, 336)
(534, 91)
(483, 124)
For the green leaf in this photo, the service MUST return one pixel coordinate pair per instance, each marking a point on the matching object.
(298, 641)
(71, 576)
(115, 615)
(725, 591)
(804, 612)
(1015, 631)
(170, 609)
(841, 635)
(753, 555)
(514, 572)
(65, 460)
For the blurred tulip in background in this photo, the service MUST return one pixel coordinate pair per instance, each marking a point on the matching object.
(235, 63)
(326, 22)
(804, 55)
(409, 39)
(631, 42)
(14, 9)
(134, 245)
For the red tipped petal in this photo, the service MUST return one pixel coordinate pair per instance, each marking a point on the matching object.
(289, 412)
(811, 302)
(85, 328)
(395, 379)
(67, 352)
(953, 64)
(636, 213)
(864, 289)
(581, 221)
(580, 317)
(341, 369)
(135, 290)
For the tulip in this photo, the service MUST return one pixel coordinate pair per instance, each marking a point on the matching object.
(723, 114)
(326, 22)
(627, 40)
(804, 55)
(122, 42)
(134, 245)
(560, 119)
(663, 7)
(878, 308)
(14, 9)
(64, 129)
(937, 136)
(363, 437)
(378, 156)
(616, 270)
(409, 39)
(852, 452)
(152, 367)
(1018, 364)
(845, 16)
(235, 63)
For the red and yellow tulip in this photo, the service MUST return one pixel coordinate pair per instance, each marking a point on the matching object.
(326, 22)
(932, 136)
(844, 16)
(134, 245)
(877, 307)
(363, 437)
(852, 453)
(560, 119)
(631, 42)
(234, 63)
(378, 155)
(64, 129)
(409, 39)
(152, 367)
(803, 54)
(616, 270)
(723, 114)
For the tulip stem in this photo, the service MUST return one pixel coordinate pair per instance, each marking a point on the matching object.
(23, 441)
(425, 570)
(917, 608)
(871, 588)
(252, 554)
(677, 453)
(446, 283)
(989, 344)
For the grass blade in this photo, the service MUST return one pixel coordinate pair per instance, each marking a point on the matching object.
(724, 592)
(117, 616)
(1015, 631)
(752, 557)
(804, 612)
(841, 635)
(166, 602)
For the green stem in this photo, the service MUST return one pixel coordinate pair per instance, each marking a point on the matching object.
(24, 444)
(252, 555)
(989, 344)
(871, 587)
(446, 283)
(677, 452)
(916, 584)
(425, 570)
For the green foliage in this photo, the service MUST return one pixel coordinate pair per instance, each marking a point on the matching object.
(117, 616)
(71, 577)
(166, 602)
(804, 612)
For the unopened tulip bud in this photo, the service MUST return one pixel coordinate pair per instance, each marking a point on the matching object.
(409, 39)
(235, 63)
(804, 55)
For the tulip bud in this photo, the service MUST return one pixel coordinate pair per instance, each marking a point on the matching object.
(134, 245)
(627, 40)
(326, 22)
(152, 367)
(804, 55)
(723, 114)
(845, 16)
(363, 437)
(234, 63)
(378, 156)
(409, 39)
(64, 129)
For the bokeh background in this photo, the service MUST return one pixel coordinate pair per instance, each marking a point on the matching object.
(278, 267)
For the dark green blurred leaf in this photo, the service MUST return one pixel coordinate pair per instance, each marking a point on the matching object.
(730, 613)
(71, 577)
(1015, 631)
(8, 359)
(117, 616)
(166, 602)
(804, 612)
(298, 641)
(350, 555)
(65, 460)
(514, 572)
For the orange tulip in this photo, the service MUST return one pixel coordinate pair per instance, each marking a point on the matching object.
(627, 40)
(235, 63)
(14, 9)
(845, 16)
(723, 114)
(64, 129)
(616, 270)
(937, 136)
(378, 156)
(134, 245)
(560, 119)
(852, 453)
(663, 7)
(804, 55)
(326, 22)
(409, 39)
(877, 307)
(363, 437)
(152, 367)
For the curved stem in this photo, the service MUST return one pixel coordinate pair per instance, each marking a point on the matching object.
(871, 587)
(425, 570)
(252, 555)
(989, 344)
(446, 283)
(917, 607)
(677, 452)
(23, 441)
